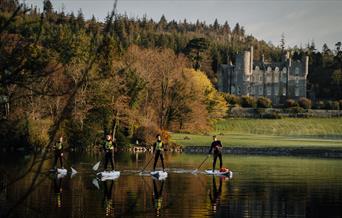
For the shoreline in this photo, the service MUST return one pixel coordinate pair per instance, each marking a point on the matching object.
(272, 151)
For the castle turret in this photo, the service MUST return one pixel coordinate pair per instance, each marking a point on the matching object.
(306, 65)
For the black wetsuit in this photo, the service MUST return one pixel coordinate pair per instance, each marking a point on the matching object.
(58, 154)
(108, 148)
(158, 153)
(217, 146)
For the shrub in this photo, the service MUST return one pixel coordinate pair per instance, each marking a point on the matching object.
(318, 105)
(264, 102)
(305, 103)
(332, 105)
(232, 99)
(270, 115)
(146, 134)
(248, 101)
(291, 103)
(296, 110)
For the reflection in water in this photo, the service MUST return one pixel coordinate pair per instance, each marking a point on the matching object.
(215, 194)
(261, 187)
(107, 200)
(158, 196)
(58, 190)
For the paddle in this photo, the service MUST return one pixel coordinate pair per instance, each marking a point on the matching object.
(201, 164)
(146, 165)
(96, 166)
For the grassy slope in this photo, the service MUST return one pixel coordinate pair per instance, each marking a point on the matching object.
(289, 132)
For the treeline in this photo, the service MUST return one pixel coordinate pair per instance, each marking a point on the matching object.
(75, 79)
(131, 77)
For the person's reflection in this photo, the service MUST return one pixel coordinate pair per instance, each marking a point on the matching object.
(215, 194)
(107, 201)
(58, 190)
(157, 196)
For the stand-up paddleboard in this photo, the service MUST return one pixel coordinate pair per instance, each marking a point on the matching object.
(220, 173)
(59, 171)
(159, 174)
(108, 175)
(60, 175)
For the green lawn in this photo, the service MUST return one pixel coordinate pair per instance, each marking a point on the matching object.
(288, 132)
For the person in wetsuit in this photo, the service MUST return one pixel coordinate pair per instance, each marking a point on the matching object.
(217, 147)
(108, 148)
(58, 152)
(158, 148)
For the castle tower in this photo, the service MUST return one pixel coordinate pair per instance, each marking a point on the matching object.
(251, 60)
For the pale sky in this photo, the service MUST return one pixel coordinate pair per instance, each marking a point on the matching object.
(300, 20)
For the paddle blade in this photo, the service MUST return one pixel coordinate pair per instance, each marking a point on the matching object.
(96, 166)
(73, 171)
(96, 183)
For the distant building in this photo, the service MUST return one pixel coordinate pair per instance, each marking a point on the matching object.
(277, 81)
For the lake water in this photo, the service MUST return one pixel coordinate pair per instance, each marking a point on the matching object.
(261, 187)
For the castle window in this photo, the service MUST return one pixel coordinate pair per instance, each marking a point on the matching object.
(296, 91)
(238, 90)
(268, 90)
(284, 70)
(297, 71)
(276, 69)
(233, 89)
(253, 90)
(269, 69)
(283, 77)
(260, 90)
(297, 81)
(260, 78)
(284, 91)
(276, 90)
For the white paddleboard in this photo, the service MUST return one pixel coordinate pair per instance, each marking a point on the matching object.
(59, 171)
(218, 173)
(159, 174)
(109, 175)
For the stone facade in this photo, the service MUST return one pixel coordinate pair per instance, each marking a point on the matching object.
(277, 81)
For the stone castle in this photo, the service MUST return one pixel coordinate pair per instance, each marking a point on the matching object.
(277, 81)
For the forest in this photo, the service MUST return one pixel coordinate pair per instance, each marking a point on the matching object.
(61, 74)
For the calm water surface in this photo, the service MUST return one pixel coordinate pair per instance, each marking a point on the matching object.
(261, 187)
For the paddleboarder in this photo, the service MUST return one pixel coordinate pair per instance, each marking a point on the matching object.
(108, 148)
(59, 152)
(158, 148)
(217, 147)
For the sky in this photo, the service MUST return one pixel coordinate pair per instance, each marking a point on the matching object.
(301, 21)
